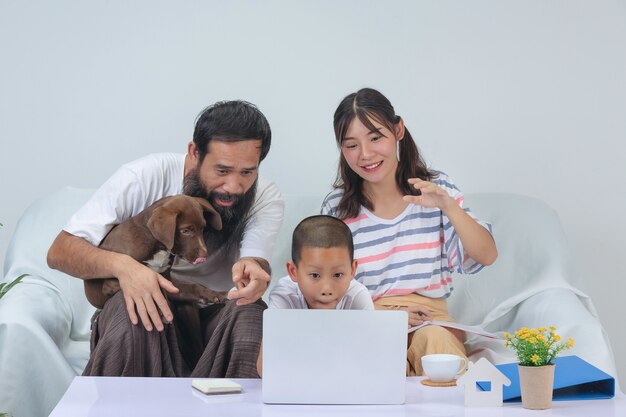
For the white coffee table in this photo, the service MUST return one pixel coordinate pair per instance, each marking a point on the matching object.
(154, 397)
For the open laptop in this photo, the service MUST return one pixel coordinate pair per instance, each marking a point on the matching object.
(334, 356)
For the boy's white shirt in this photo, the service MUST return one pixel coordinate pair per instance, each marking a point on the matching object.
(287, 294)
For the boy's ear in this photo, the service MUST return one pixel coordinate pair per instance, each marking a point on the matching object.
(355, 264)
(292, 270)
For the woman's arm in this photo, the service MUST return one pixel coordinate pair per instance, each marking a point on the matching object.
(476, 240)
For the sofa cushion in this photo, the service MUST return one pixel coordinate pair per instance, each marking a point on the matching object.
(533, 256)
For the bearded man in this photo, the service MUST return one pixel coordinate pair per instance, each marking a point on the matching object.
(230, 140)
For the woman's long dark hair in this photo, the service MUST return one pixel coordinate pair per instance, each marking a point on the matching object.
(367, 104)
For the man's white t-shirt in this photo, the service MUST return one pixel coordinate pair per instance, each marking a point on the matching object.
(140, 183)
(287, 294)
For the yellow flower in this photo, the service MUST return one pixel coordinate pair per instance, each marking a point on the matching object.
(536, 346)
(506, 344)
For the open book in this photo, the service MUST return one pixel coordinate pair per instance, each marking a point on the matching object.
(465, 327)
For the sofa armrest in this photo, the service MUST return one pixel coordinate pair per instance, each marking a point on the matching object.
(38, 360)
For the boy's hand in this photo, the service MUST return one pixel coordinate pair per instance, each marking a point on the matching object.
(418, 315)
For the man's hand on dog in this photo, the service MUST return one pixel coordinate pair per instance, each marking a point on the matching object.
(141, 287)
(250, 279)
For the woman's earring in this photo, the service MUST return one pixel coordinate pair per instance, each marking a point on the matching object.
(398, 150)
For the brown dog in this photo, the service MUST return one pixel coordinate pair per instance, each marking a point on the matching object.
(171, 226)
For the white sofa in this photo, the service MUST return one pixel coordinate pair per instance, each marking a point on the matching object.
(44, 321)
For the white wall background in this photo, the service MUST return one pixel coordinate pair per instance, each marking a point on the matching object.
(521, 96)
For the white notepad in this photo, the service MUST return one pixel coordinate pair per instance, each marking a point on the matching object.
(216, 386)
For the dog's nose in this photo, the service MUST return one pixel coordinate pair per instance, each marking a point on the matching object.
(199, 260)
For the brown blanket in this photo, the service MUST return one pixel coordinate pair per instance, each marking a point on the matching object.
(232, 337)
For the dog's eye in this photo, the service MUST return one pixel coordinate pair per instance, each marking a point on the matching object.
(185, 231)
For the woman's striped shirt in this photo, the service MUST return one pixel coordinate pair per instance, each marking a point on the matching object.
(414, 253)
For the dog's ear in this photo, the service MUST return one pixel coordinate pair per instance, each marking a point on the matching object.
(215, 220)
(162, 225)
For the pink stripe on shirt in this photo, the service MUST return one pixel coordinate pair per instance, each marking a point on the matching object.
(451, 258)
(404, 248)
(444, 282)
(355, 219)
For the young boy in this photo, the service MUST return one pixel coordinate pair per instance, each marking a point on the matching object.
(321, 271)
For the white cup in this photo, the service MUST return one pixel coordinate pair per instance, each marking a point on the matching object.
(443, 367)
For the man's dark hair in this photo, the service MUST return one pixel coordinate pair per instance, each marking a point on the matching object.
(231, 121)
(321, 231)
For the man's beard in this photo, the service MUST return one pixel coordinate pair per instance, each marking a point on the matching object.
(234, 218)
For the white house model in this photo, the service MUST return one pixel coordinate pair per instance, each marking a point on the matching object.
(484, 372)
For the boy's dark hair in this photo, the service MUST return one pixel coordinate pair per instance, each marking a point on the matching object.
(365, 104)
(231, 121)
(321, 231)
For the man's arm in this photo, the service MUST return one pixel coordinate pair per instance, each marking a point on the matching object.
(251, 274)
(140, 285)
(75, 256)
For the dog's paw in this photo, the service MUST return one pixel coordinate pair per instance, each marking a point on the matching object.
(198, 294)
(208, 296)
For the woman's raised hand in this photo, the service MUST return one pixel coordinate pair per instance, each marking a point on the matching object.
(432, 195)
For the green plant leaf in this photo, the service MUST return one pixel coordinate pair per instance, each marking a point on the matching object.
(4, 288)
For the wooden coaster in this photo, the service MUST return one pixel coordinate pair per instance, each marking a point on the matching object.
(430, 383)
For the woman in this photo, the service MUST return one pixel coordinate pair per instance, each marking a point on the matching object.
(410, 230)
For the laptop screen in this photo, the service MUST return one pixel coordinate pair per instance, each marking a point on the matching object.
(334, 356)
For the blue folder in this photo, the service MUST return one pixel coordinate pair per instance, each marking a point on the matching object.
(574, 379)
